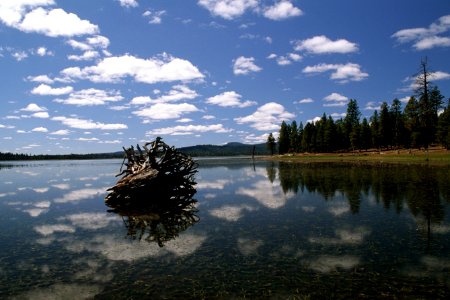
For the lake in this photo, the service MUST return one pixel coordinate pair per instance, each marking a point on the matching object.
(259, 229)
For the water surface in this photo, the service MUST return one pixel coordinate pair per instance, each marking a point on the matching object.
(260, 230)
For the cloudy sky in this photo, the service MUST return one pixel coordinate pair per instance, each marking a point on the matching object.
(93, 76)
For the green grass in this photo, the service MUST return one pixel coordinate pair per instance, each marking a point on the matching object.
(440, 157)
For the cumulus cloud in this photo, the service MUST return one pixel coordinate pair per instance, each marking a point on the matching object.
(90, 97)
(88, 124)
(55, 23)
(229, 99)
(321, 45)
(282, 10)
(177, 93)
(341, 73)
(33, 107)
(46, 90)
(228, 9)
(244, 65)
(335, 99)
(426, 38)
(267, 117)
(189, 129)
(165, 111)
(164, 68)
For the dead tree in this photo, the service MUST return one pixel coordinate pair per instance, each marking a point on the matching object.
(155, 194)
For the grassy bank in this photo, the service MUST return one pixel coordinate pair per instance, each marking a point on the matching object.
(437, 156)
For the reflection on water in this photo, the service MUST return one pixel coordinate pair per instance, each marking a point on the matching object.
(266, 230)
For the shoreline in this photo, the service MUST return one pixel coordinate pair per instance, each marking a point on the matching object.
(434, 156)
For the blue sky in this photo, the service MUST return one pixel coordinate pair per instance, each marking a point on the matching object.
(93, 76)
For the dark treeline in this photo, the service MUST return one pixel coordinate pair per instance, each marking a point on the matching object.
(19, 156)
(420, 124)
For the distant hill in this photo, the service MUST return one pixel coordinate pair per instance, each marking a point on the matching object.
(230, 149)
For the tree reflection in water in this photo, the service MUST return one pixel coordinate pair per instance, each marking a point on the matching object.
(423, 189)
(158, 219)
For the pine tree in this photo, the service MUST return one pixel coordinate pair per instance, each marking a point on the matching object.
(398, 124)
(385, 126)
(284, 138)
(375, 129)
(351, 120)
(412, 121)
(293, 137)
(271, 143)
(365, 135)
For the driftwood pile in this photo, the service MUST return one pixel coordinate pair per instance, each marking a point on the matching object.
(155, 194)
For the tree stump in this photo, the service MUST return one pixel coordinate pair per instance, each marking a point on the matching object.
(155, 194)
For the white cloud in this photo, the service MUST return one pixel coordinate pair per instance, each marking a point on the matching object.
(44, 90)
(42, 51)
(245, 65)
(88, 139)
(154, 17)
(87, 55)
(164, 68)
(371, 105)
(228, 9)
(188, 130)
(335, 99)
(184, 120)
(90, 97)
(321, 44)
(55, 23)
(88, 124)
(40, 129)
(164, 111)
(61, 132)
(342, 73)
(229, 99)
(177, 93)
(128, 3)
(282, 10)
(304, 101)
(11, 12)
(41, 79)
(267, 117)
(33, 107)
(432, 42)
(426, 38)
(285, 60)
(41, 115)
(19, 55)
(208, 117)
(439, 75)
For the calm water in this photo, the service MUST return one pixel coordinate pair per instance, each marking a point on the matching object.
(258, 230)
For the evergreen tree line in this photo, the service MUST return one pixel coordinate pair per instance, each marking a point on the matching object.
(420, 124)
